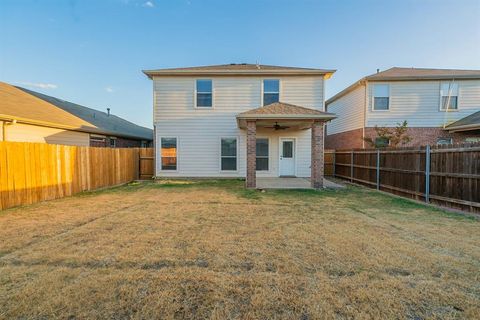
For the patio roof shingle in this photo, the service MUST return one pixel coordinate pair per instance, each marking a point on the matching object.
(285, 111)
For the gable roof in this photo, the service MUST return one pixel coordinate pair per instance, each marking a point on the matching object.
(238, 69)
(31, 107)
(279, 110)
(404, 74)
(471, 122)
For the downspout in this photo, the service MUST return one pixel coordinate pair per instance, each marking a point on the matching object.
(4, 128)
(364, 114)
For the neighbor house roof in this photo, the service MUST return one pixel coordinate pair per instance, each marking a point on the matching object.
(280, 110)
(31, 107)
(404, 74)
(239, 69)
(471, 122)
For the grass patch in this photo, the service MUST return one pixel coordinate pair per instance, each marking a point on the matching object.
(212, 249)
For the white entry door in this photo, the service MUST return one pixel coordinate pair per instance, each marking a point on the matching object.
(287, 157)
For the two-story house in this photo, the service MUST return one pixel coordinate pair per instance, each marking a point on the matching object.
(434, 102)
(239, 120)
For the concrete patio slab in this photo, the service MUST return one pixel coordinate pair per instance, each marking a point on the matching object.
(292, 183)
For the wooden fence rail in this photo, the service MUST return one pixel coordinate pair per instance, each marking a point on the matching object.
(33, 172)
(444, 175)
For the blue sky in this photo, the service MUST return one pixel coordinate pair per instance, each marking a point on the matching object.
(92, 51)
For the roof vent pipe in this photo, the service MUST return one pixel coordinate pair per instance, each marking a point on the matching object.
(108, 112)
(378, 70)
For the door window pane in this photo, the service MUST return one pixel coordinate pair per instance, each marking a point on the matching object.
(169, 153)
(287, 151)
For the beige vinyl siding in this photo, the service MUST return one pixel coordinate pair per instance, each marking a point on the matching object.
(30, 133)
(418, 102)
(199, 130)
(349, 110)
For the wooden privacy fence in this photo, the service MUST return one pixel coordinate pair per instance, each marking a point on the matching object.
(444, 175)
(33, 172)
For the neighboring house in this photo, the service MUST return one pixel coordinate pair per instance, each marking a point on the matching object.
(34, 117)
(430, 100)
(207, 118)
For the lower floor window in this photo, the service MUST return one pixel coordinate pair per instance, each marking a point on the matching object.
(441, 141)
(228, 154)
(472, 139)
(382, 142)
(262, 154)
(169, 153)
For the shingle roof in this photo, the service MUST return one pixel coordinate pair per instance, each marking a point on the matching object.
(284, 110)
(237, 68)
(399, 74)
(469, 122)
(36, 108)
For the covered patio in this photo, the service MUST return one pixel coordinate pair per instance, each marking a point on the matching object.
(286, 117)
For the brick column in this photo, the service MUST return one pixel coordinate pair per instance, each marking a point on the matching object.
(317, 155)
(251, 182)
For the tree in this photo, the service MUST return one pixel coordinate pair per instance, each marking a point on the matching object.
(389, 137)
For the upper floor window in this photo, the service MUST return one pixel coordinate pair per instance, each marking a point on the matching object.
(271, 91)
(449, 96)
(204, 93)
(381, 97)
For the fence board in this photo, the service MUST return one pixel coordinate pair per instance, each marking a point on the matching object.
(454, 175)
(33, 172)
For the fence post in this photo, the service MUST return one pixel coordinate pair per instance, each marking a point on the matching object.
(427, 174)
(334, 161)
(378, 169)
(351, 167)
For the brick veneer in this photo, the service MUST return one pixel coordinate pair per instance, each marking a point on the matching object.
(345, 140)
(120, 143)
(420, 137)
(251, 182)
(316, 177)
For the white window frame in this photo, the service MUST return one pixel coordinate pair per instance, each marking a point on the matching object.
(444, 138)
(263, 89)
(389, 96)
(196, 92)
(268, 157)
(114, 139)
(178, 153)
(441, 96)
(220, 153)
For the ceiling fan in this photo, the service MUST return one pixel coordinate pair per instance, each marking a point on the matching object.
(276, 126)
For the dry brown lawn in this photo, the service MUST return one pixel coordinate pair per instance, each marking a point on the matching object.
(213, 250)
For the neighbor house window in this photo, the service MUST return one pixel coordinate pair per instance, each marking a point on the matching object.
(271, 91)
(449, 96)
(441, 141)
(381, 142)
(204, 93)
(169, 153)
(262, 154)
(381, 97)
(472, 140)
(113, 142)
(228, 154)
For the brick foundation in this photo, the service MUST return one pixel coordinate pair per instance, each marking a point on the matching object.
(251, 181)
(420, 137)
(317, 155)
